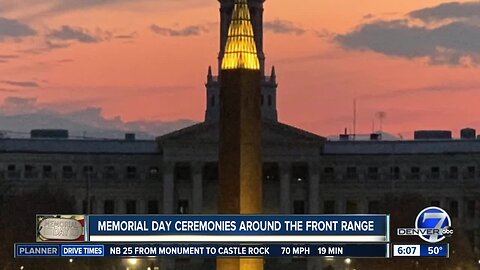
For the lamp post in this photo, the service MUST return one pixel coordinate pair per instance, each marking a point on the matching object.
(132, 263)
(348, 261)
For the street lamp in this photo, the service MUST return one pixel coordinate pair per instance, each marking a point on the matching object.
(348, 261)
(132, 261)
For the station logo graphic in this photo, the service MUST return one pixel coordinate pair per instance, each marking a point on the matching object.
(433, 224)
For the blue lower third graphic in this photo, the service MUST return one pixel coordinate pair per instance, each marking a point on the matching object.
(83, 250)
(37, 250)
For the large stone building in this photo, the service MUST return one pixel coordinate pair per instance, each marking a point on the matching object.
(303, 172)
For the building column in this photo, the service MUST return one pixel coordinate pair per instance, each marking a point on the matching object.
(313, 204)
(142, 207)
(313, 188)
(477, 209)
(197, 187)
(285, 180)
(118, 206)
(168, 187)
(444, 204)
(285, 195)
(197, 199)
(461, 208)
(94, 205)
(341, 205)
(79, 205)
(168, 170)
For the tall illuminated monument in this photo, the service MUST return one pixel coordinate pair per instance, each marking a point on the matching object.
(240, 156)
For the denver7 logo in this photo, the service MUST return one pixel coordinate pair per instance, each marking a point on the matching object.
(434, 223)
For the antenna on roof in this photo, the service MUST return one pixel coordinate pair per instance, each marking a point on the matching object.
(381, 116)
(354, 118)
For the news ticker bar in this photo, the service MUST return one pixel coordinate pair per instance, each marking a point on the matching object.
(211, 250)
(272, 250)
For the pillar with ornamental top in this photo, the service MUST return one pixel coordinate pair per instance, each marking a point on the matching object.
(240, 146)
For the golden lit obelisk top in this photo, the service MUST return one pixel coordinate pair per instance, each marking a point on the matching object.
(240, 50)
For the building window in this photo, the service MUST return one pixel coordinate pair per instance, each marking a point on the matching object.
(152, 207)
(415, 173)
(29, 171)
(12, 171)
(47, 171)
(299, 173)
(182, 207)
(435, 203)
(373, 173)
(153, 173)
(109, 207)
(352, 173)
(453, 172)
(109, 172)
(329, 207)
(270, 101)
(395, 173)
(352, 207)
(374, 207)
(85, 206)
(210, 172)
(270, 172)
(262, 101)
(88, 171)
(212, 100)
(299, 207)
(435, 173)
(454, 209)
(329, 172)
(471, 208)
(471, 172)
(182, 172)
(131, 172)
(67, 172)
(131, 207)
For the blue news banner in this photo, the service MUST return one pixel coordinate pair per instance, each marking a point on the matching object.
(239, 228)
(222, 235)
(207, 250)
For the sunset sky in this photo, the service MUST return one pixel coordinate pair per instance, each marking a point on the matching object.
(146, 61)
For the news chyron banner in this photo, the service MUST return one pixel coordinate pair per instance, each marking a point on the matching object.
(351, 236)
(239, 228)
(210, 236)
